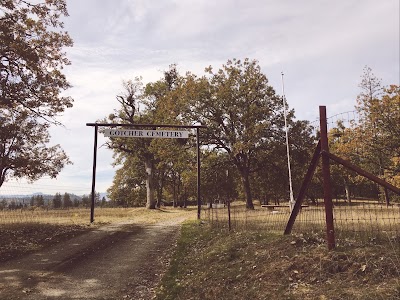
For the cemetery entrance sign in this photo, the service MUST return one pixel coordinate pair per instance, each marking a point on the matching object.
(136, 131)
(167, 134)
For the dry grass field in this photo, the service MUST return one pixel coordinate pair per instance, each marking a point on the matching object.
(81, 216)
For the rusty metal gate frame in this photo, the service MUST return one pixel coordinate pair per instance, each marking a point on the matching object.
(96, 127)
(322, 150)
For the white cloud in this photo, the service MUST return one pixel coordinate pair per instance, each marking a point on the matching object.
(320, 45)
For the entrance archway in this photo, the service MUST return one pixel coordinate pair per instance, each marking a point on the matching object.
(139, 133)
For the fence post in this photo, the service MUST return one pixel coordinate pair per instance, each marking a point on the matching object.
(198, 174)
(330, 232)
(229, 215)
(94, 174)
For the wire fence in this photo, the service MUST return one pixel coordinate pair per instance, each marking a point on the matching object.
(348, 118)
(53, 216)
(15, 189)
(365, 220)
(16, 195)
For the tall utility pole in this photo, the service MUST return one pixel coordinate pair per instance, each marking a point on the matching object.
(291, 202)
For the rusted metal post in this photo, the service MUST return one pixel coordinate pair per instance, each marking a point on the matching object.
(94, 174)
(303, 189)
(362, 172)
(96, 125)
(330, 232)
(229, 215)
(198, 174)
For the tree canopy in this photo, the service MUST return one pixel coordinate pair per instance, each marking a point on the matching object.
(243, 149)
(31, 84)
(244, 137)
(32, 57)
(243, 114)
(371, 142)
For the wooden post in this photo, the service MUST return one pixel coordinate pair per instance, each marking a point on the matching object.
(330, 232)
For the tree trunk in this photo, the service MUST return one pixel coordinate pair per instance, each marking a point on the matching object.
(241, 165)
(266, 199)
(382, 173)
(387, 199)
(184, 197)
(246, 188)
(159, 191)
(3, 172)
(174, 202)
(347, 190)
(179, 191)
(150, 203)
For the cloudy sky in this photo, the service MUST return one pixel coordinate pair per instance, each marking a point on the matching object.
(321, 46)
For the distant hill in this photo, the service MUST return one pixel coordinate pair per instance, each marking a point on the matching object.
(19, 198)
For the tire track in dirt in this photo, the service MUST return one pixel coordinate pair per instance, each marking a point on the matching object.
(117, 261)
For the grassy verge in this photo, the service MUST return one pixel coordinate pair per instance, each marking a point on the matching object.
(214, 264)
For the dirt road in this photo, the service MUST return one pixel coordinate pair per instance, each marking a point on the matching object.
(118, 261)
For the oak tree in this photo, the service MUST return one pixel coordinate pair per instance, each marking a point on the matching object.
(378, 130)
(153, 162)
(32, 57)
(23, 148)
(242, 112)
(124, 149)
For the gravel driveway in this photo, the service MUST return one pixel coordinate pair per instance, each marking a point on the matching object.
(117, 261)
